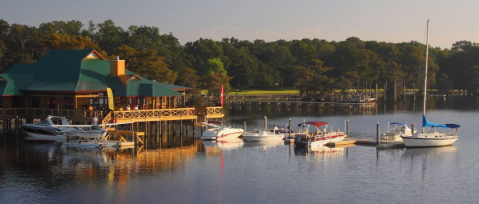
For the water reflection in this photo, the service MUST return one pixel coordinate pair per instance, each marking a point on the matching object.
(265, 144)
(230, 144)
(430, 151)
(79, 157)
(321, 151)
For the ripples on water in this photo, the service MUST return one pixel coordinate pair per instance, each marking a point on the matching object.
(188, 170)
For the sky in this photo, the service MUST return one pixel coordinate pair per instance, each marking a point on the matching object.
(269, 20)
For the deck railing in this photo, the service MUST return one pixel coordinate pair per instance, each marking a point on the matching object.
(160, 114)
(153, 114)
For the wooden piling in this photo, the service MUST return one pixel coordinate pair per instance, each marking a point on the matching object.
(378, 141)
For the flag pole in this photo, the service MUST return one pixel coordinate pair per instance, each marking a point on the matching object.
(222, 93)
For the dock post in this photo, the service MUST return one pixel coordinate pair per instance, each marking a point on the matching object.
(412, 129)
(265, 121)
(134, 140)
(244, 127)
(347, 128)
(289, 129)
(378, 141)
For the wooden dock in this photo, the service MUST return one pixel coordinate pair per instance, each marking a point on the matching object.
(384, 144)
(346, 141)
(122, 136)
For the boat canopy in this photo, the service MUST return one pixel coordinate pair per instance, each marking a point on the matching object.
(315, 123)
(452, 126)
(426, 123)
(397, 123)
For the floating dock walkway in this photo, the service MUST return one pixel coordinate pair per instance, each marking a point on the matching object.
(384, 144)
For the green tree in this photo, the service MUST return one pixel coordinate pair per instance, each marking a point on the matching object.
(146, 63)
(109, 36)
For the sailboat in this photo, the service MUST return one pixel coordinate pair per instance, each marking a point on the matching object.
(431, 138)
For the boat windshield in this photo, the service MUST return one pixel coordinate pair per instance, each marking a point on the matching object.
(43, 123)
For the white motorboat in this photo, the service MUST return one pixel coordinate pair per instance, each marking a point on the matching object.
(319, 137)
(431, 137)
(264, 135)
(217, 131)
(55, 128)
(396, 131)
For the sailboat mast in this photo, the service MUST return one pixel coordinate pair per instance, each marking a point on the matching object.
(425, 72)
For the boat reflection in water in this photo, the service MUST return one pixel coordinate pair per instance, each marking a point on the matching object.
(83, 157)
(265, 144)
(430, 151)
(321, 151)
(233, 143)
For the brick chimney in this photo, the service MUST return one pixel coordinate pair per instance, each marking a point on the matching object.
(117, 67)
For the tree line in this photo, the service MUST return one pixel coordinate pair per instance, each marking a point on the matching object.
(314, 66)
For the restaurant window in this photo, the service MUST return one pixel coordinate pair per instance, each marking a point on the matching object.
(68, 102)
(51, 102)
(100, 102)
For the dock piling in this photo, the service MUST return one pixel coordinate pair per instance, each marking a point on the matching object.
(347, 128)
(378, 141)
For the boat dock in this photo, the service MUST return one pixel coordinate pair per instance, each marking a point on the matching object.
(384, 144)
(122, 136)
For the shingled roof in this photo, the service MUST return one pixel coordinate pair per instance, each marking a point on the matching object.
(77, 71)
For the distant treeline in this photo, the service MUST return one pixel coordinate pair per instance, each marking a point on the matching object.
(312, 65)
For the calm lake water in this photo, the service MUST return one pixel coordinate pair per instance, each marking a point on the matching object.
(184, 169)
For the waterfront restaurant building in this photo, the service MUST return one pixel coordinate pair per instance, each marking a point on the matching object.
(73, 83)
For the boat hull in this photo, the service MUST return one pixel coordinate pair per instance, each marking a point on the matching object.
(428, 142)
(42, 134)
(323, 141)
(262, 138)
(208, 135)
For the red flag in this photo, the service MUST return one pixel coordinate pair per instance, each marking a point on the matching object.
(221, 95)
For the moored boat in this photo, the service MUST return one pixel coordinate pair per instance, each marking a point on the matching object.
(55, 128)
(265, 134)
(319, 137)
(397, 130)
(431, 137)
(217, 131)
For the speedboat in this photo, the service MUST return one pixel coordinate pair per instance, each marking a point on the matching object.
(265, 135)
(396, 131)
(55, 128)
(319, 137)
(217, 131)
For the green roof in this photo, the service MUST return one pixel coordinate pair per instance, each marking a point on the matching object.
(10, 83)
(75, 71)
